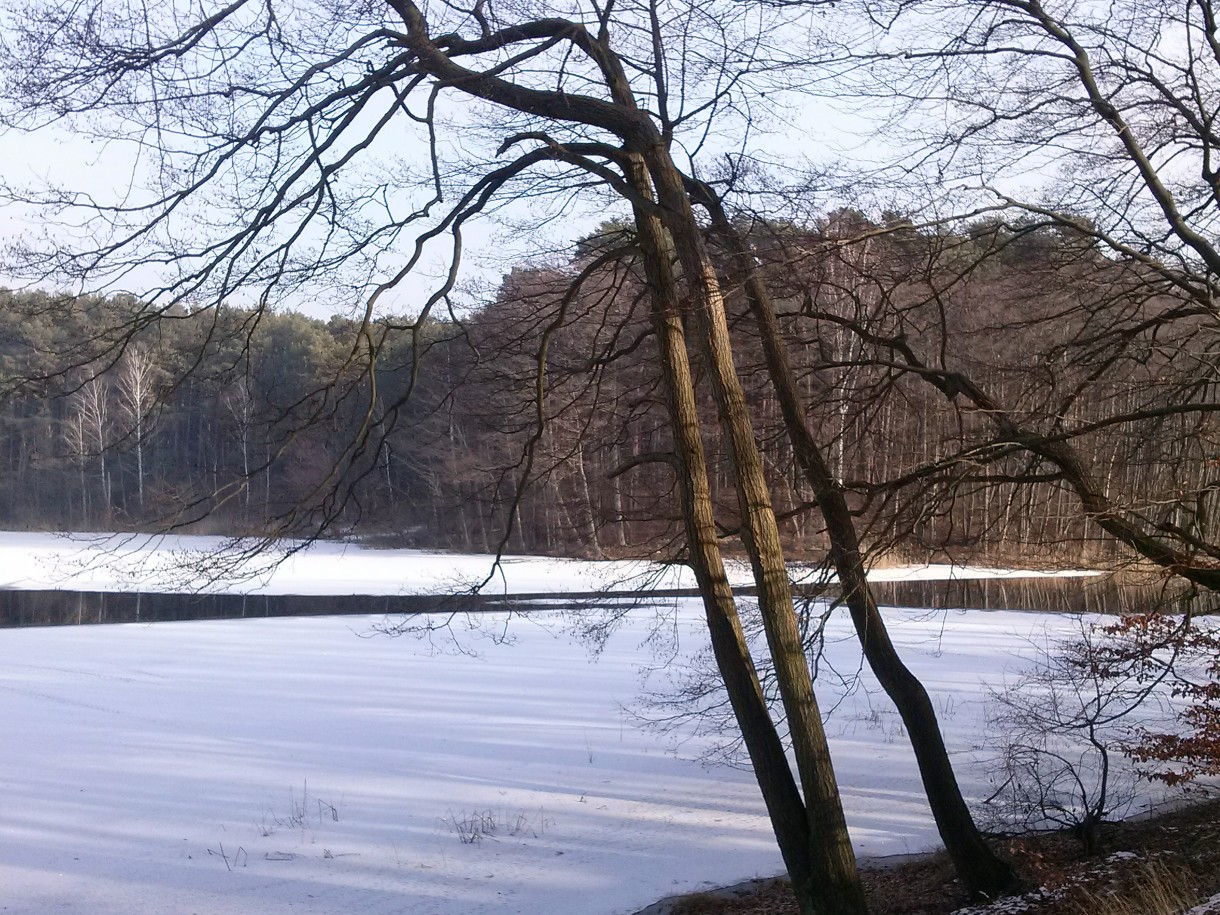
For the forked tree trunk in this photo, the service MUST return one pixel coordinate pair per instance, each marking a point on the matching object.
(766, 750)
(981, 871)
(833, 882)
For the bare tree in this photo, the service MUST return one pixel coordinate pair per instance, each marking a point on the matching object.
(137, 397)
(90, 435)
(1087, 131)
(76, 440)
(1057, 732)
(240, 402)
(265, 115)
(980, 869)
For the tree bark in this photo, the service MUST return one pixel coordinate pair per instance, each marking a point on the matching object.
(831, 851)
(981, 871)
(766, 750)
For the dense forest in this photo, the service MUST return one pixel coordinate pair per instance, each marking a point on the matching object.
(544, 405)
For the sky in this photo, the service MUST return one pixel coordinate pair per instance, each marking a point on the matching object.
(822, 127)
(58, 158)
(531, 230)
(808, 135)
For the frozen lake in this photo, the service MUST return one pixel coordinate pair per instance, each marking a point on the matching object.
(317, 765)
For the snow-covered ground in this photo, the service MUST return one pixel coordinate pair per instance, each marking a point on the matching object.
(317, 766)
(138, 562)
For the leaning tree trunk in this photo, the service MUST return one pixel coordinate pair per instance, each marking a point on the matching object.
(766, 750)
(831, 853)
(981, 871)
(829, 884)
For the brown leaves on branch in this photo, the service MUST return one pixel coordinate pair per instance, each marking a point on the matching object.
(1185, 654)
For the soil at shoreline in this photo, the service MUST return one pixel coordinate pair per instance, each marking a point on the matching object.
(1183, 845)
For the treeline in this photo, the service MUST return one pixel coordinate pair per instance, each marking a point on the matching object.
(543, 406)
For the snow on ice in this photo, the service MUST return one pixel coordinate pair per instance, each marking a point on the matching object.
(316, 765)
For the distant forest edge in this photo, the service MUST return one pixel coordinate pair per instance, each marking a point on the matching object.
(241, 420)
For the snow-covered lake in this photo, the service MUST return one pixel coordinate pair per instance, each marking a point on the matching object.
(316, 765)
(139, 562)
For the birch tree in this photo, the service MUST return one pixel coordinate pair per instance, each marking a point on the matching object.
(90, 434)
(137, 397)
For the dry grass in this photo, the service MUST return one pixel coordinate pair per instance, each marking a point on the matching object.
(1158, 866)
(1151, 888)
